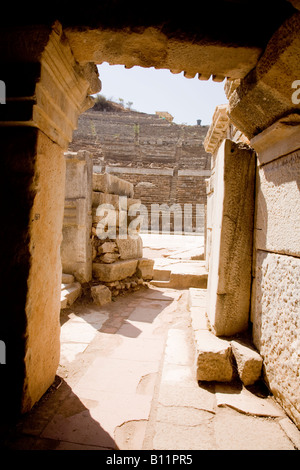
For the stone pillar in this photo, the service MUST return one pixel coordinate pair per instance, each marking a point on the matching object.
(45, 92)
(76, 248)
(229, 279)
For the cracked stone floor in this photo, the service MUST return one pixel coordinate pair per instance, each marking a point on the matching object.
(126, 381)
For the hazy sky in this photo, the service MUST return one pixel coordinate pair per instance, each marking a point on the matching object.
(153, 90)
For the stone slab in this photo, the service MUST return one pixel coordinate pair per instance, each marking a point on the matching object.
(108, 183)
(246, 402)
(278, 206)
(115, 271)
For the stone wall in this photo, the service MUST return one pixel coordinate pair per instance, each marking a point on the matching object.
(270, 307)
(165, 162)
(275, 312)
(101, 246)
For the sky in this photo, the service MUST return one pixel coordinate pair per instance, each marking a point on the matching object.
(150, 90)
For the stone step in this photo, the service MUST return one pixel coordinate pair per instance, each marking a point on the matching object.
(179, 280)
(214, 357)
(69, 293)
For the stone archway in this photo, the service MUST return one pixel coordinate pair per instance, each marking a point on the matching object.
(36, 126)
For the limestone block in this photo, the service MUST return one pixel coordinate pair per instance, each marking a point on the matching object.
(107, 247)
(115, 271)
(107, 183)
(145, 268)
(67, 278)
(130, 248)
(213, 357)
(99, 198)
(278, 206)
(249, 362)
(101, 294)
(70, 293)
(229, 278)
(109, 257)
(276, 326)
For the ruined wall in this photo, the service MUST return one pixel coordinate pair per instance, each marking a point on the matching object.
(276, 269)
(271, 307)
(166, 162)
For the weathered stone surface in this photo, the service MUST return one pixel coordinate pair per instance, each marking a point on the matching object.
(67, 278)
(101, 294)
(130, 248)
(254, 106)
(145, 268)
(100, 198)
(107, 183)
(107, 247)
(278, 206)
(76, 249)
(70, 293)
(229, 279)
(276, 324)
(249, 362)
(109, 257)
(115, 271)
(213, 357)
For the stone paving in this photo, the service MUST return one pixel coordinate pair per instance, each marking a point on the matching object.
(126, 381)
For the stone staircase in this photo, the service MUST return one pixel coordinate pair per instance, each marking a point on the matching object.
(70, 291)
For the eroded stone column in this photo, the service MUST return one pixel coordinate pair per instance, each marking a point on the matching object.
(42, 106)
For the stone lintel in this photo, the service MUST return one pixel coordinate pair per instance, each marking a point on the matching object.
(281, 138)
(150, 47)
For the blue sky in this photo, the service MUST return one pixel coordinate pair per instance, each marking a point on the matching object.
(153, 90)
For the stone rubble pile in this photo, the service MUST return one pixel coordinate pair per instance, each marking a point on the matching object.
(117, 248)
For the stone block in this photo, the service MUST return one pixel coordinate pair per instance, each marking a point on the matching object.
(107, 247)
(213, 357)
(109, 257)
(107, 183)
(67, 278)
(249, 362)
(101, 294)
(145, 268)
(278, 206)
(130, 248)
(115, 271)
(103, 198)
